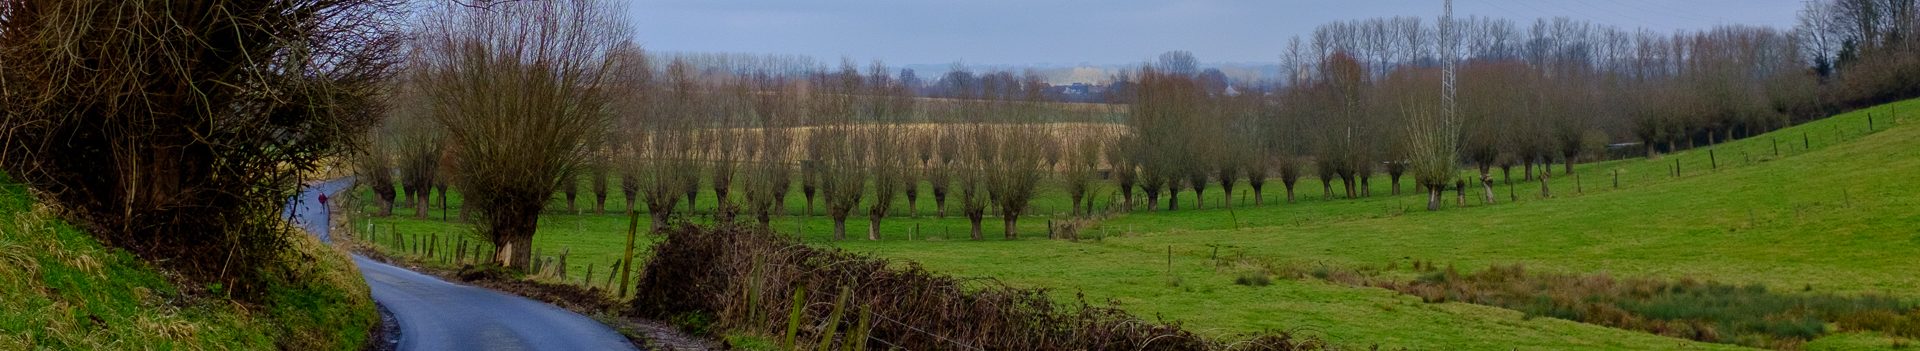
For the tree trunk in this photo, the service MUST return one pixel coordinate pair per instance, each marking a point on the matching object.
(976, 218)
(659, 220)
(1366, 186)
(1569, 166)
(691, 196)
(513, 235)
(630, 201)
(1347, 183)
(1486, 183)
(571, 197)
(913, 197)
(1460, 194)
(1153, 200)
(1257, 201)
(779, 202)
(600, 203)
(1395, 178)
(420, 205)
(722, 206)
(1289, 187)
(1433, 198)
(1544, 193)
(1013, 232)
(1076, 203)
(940, 204)
(839, 228)
(808, 193)
(1526, 171)
(873, 227)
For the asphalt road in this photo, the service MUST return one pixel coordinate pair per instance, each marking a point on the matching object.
(434, 314)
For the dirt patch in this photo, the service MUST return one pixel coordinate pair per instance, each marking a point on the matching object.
(384, 336)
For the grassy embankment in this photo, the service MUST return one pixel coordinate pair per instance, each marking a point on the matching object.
(1830, 213)
(61, 289)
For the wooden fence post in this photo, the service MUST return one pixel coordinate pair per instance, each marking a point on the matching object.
(626, 260)
(561, 270)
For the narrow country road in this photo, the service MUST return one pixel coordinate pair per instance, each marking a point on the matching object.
(436, 315)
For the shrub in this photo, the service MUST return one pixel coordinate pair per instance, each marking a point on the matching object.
(1253, 279)
(748, 279)
(178, 134)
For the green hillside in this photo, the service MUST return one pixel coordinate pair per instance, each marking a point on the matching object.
(60, 289)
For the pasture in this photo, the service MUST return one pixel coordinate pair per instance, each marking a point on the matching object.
(1831, 212)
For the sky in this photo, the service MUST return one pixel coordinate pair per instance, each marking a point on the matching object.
(1069, 32)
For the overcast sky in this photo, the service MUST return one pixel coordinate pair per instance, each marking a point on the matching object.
(1102, 31)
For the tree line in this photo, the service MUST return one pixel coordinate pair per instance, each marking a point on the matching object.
(1358, 102)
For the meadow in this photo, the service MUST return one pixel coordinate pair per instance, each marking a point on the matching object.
(1824, 207)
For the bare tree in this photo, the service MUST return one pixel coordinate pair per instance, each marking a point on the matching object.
(777, 110)
(1015, 175)
(1124, 167)
(887, 104)
(940, 174)
(843, 163)
(663, 148)
(970, 170)
(373, 167)
(597, 177)
(1084, 160)
(178, 135)
(517, 86)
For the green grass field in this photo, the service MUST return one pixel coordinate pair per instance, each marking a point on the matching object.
(1832, 212)
(60, 289)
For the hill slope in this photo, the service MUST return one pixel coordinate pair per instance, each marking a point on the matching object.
(61, 289)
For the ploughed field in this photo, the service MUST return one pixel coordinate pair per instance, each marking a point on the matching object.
(1832, 215)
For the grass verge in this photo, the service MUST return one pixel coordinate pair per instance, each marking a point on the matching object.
(61, 289)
